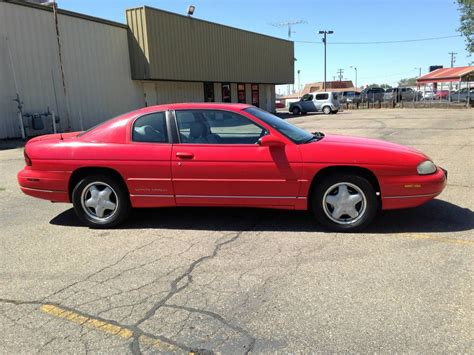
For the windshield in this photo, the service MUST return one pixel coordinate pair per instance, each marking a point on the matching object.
(297, 135)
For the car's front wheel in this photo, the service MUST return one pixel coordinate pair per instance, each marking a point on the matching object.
(296, 111)
(344, 203)
(100, 201)
(327, 110)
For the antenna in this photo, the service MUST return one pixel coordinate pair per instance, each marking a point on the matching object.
(288, 24)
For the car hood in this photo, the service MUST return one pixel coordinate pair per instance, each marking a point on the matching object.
(340, 149)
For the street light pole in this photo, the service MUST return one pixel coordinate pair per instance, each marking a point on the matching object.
(355, 69)
(299, 87)
(325, 33)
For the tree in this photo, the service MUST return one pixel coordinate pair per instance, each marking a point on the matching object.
(466, 8)
(407, 82)
(384, 86)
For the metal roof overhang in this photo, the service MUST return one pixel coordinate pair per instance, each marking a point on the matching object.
(447, 75)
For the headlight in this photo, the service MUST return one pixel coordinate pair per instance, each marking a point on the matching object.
(425, 168)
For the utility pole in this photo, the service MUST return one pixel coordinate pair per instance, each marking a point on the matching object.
(325, 33)
(288, 24)
(453, 58)
(419, 71)
(340, 71)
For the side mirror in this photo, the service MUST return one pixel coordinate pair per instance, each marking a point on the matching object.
(270, 141)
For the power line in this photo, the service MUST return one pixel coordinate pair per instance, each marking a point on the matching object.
(388, 42)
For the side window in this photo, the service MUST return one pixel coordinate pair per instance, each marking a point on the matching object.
(322, 96)
(150, 128)
(307, 97)
(216, 127)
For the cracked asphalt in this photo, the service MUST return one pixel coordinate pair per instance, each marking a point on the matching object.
(247, 280)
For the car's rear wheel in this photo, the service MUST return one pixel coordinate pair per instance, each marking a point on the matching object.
(327, 110)
(101, 201)
(344, 203)
(296, 111)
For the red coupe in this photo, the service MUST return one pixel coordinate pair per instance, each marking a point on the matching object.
(224, 155)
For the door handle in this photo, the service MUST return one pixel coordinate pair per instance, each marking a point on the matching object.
(184, 155)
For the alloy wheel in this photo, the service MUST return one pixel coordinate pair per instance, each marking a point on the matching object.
(99, 201)
(344, 203)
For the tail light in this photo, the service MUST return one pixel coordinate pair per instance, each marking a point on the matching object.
(27, 159)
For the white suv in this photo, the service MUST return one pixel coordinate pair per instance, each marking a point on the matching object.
(326, 102)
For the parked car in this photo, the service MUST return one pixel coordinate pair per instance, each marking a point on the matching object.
(372, 94)
(441, 95)
(326, 102)
(401, 94)
(349, 97)
(279, 104)
(428, 95)
(225, 155)
(461, 95)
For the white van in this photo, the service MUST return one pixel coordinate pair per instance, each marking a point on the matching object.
(326, 102)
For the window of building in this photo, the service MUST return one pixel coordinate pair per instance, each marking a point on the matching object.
(322, 96)
(226, 96)
(150, 128)
(209, 92)
(241, 99)
(216, 127)
(255, 95)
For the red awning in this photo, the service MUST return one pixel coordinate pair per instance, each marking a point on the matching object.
(446, 75)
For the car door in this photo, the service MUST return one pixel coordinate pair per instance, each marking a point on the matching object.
(145, 161)
(218, 162)
(307, 103)
(320, 99)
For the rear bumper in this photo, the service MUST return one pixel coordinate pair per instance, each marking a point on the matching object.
(406, 192)
(47, 185)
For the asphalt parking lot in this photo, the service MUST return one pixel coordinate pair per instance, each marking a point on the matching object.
(240, 280)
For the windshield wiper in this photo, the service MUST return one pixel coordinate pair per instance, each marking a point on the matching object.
(315, 136)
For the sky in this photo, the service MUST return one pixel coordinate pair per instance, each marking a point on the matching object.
(351, 21)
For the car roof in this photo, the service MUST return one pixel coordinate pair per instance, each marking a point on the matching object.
(193, 105)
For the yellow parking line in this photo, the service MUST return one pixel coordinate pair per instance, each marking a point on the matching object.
(439, 239)
(103, 326)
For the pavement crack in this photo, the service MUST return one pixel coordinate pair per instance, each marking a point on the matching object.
(220, 319)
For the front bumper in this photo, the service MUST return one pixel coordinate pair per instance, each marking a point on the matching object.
(412, 191)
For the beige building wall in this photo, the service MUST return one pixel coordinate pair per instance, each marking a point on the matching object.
(169, 46)
(96, 67)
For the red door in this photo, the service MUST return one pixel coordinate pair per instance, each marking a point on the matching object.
(219, 163)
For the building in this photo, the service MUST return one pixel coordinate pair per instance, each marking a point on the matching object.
(89, 69)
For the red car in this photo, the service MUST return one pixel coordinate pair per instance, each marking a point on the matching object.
(224, 155)
(442, 95)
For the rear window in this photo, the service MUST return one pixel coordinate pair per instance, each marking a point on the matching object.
(322, 96)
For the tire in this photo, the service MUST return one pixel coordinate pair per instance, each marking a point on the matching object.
(109, 207)
(327, 110)
(355, 212)
(296, 111)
